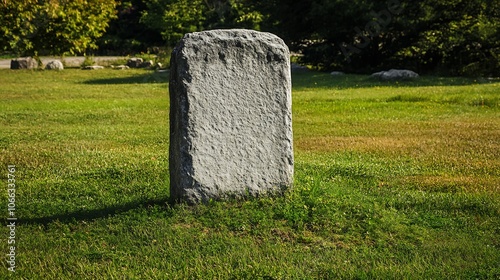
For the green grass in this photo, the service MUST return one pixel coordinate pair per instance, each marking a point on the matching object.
(392, 181)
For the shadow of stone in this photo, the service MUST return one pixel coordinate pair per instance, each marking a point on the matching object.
(89, 215)
(148, 78)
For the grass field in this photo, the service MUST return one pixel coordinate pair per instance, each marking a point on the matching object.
(392, 181)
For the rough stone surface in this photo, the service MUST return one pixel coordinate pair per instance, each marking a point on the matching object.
(230, 116)
(23, 63)
(395, 74)
(54, 65)
(135, 62)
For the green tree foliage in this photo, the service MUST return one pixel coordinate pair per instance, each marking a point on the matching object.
(127, 34)
(174, 18)
(53, 26)
(457, 37)
(233, 13)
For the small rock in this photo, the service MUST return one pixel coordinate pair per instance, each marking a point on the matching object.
(395, 74)
(23, 63)
(337, 73)
(135, 62)
(298, 68)
(147, 64)
(54, 65)
(93, 67)
(120, 67)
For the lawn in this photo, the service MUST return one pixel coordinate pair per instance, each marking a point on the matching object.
(393, 180)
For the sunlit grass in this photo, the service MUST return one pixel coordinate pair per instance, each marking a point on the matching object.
(393, 180)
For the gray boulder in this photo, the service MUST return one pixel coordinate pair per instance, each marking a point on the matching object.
(135, 62)
(147, 64)
(24, 63)
(298, 68)
(230, 116)
(395, 74)
(54, 65)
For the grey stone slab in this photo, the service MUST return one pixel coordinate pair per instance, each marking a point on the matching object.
(230, 116)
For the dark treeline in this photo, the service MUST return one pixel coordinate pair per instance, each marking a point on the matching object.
(450, 37)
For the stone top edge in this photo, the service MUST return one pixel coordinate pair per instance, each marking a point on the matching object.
(230, 34)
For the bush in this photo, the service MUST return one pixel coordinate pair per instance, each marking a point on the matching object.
(88, 61)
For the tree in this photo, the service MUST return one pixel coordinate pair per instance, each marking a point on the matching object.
(127, 33)
(233, 14)
(53, 26)
(174, 18)
(456, 37)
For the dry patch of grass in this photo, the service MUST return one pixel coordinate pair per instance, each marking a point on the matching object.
(432, 138)
(435, 145)
(356, 143)
(452, 184)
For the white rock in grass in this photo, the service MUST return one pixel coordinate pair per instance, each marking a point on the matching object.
(54, 65)
(119, 67)
(395, 74)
